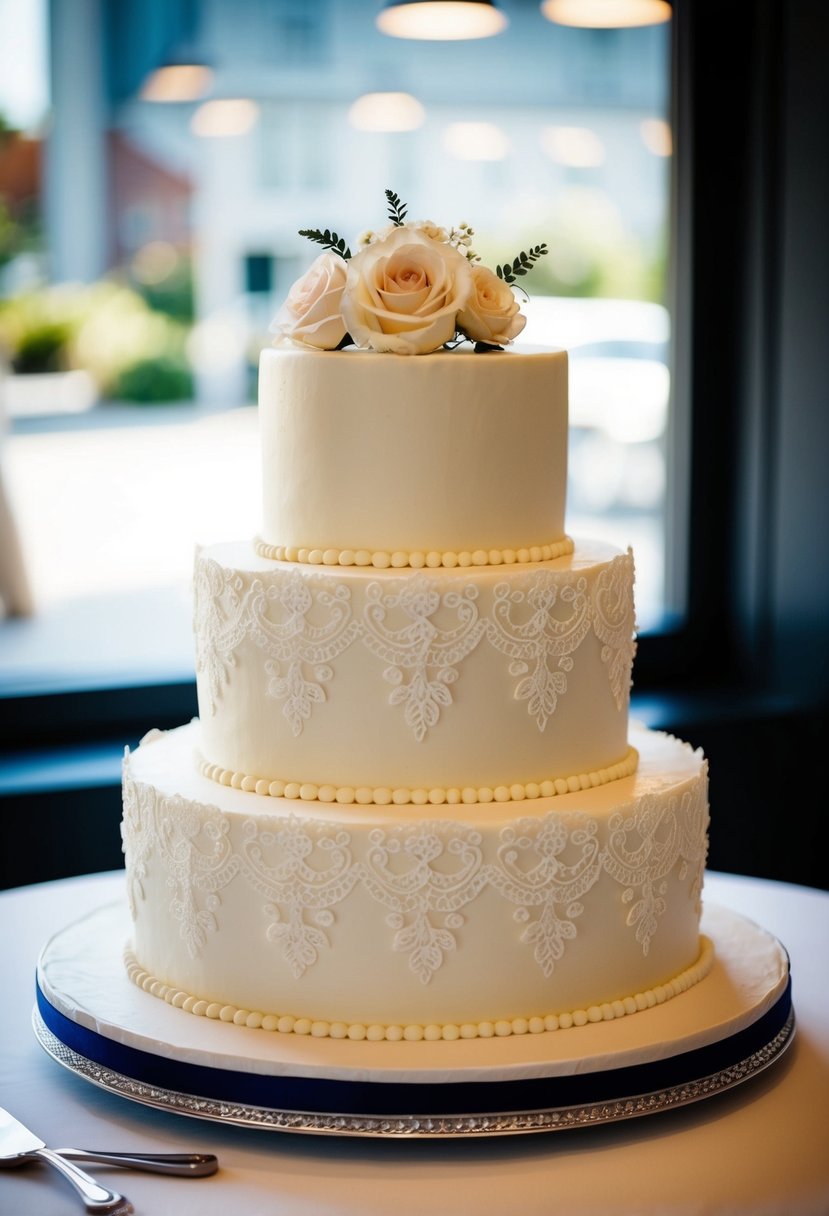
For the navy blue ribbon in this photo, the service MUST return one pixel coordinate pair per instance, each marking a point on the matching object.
(324, 1096)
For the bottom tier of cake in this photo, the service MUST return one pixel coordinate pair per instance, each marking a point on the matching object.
(415, 921)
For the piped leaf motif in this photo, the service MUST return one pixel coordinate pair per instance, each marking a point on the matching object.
(300, 942)
(541, 691)
(299, 695)
(425, 946)
(423, 700)
(547, 935)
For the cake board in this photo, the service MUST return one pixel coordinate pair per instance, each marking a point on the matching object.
(733, 1025)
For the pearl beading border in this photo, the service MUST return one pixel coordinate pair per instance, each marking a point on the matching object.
(416, 560)
(309, 791)
(318, 1028)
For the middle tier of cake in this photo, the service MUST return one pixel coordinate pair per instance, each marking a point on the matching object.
(476, 684)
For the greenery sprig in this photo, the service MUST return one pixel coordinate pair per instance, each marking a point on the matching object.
(521, 265)
(330, 240)
(397, 209)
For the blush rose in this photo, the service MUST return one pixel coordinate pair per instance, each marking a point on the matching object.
(404, 292)
(491, 313)
(312, 313)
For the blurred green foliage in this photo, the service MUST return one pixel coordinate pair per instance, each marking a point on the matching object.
(107, 329)
(591, 252)
(160, 379)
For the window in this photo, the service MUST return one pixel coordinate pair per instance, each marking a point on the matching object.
(742, 671)
(111, 500)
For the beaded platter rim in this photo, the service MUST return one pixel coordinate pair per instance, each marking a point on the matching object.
(434, 1126)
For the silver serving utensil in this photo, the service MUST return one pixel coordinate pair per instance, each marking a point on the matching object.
(18, 1145)
(182, 1165)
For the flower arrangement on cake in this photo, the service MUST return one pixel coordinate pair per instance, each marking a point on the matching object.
(413, 288)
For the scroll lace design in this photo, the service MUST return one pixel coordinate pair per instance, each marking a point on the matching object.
(645, 846)
(295, 641)
(425, 875)
(137, 835)
(199, 861)
(298, 870)
(534, 874)
(422, 630)
(402, 629)
(220, 623)
(614, 624)
(407, 873)
(535, 629)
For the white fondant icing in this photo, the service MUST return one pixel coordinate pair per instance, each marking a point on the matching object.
(451, 451)
(448, 1032)
(363, 914)
(414, 680)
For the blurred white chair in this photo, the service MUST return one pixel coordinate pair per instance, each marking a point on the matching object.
(15, 590)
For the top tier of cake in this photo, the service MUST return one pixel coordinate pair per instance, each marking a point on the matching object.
(449, 453)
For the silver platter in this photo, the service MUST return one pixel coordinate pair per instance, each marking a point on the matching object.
(406, 1127)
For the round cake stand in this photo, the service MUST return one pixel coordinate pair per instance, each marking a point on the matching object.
(730, 1027)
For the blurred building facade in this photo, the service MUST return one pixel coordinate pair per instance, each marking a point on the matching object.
(541, 130)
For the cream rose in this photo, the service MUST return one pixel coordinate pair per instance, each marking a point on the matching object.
(404, 292)
(491, 313)
(312, 312)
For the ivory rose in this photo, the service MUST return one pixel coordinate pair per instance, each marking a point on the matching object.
(312, 312)
(491, 313)
(404, 292)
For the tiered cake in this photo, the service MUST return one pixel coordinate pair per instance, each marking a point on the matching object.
(413, 806)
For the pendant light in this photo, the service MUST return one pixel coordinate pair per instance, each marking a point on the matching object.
(606, 14)
(441, 20)
(184, 75)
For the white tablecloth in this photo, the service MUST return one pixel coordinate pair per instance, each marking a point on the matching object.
(760, 1150)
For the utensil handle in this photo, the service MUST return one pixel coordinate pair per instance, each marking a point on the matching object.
(97, 1198)
(187, 1165)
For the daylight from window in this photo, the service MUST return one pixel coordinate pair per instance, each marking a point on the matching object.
(157, 160)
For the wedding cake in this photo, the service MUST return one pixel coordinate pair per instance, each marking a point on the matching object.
(413, 806)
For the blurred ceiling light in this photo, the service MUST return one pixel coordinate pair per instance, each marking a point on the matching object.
(177, 81)
(576, 147)
(386, 112)
(441, 20)
(656, 136)
(475, 141)
(224, 117)
(606, 14)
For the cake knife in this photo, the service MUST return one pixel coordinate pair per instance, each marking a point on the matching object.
(18, 1144)
(181, 1165)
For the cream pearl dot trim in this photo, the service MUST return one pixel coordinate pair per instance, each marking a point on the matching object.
(419, 559)
(364, 795)
(607, 1011)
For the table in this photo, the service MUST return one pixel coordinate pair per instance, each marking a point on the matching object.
(762, 1149)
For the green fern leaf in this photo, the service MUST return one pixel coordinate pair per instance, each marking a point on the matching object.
(520, 265)
(397, 209)
(328, 239)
